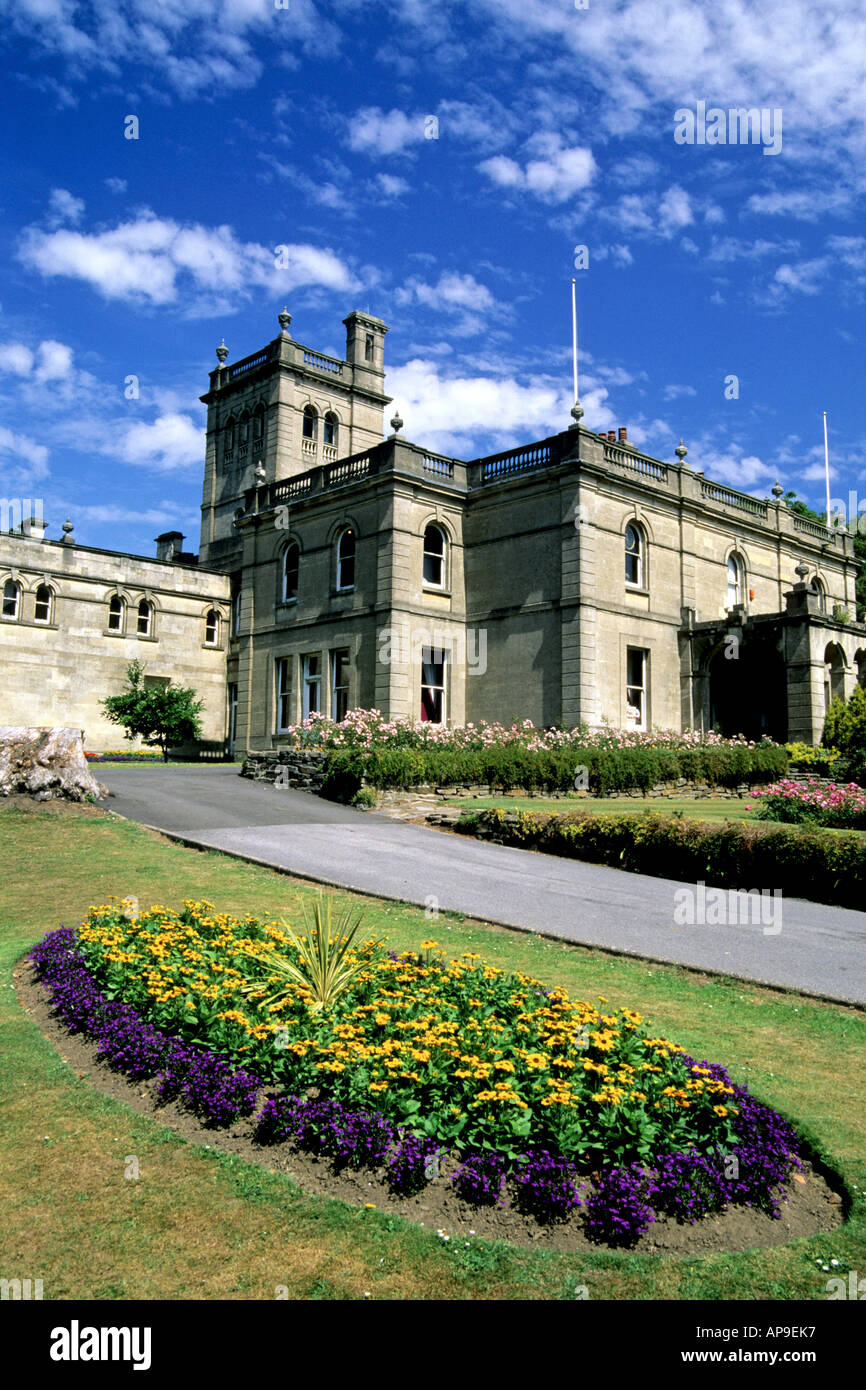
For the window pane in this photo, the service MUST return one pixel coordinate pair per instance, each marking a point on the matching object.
(10, 599)
(290, 584)
(43, 604)
(433, 570)
(632, 569)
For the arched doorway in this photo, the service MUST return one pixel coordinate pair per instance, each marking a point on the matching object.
(834, 674)
(748, 689)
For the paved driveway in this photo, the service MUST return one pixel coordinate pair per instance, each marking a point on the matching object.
(818, 949)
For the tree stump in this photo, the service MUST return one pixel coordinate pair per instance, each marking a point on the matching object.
(46, 763)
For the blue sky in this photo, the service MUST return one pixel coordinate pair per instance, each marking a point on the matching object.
(437, 164)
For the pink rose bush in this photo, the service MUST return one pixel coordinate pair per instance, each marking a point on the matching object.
(836, 806)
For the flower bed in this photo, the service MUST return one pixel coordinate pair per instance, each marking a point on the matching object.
(365, 748)
(814, 802)
(536, 1093)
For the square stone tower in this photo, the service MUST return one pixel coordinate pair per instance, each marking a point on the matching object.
(282, 411)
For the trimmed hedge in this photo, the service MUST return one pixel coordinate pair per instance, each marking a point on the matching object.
(506, 767)
(805, 862)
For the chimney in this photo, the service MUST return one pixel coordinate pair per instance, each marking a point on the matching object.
(169, 545)
(611, 436)
(623, 434)
(33, 526)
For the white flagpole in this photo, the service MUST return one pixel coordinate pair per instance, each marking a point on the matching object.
(574, 331)
(827, 469)
(577, 408)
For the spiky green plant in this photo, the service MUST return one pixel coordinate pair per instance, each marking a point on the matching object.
(324, 966)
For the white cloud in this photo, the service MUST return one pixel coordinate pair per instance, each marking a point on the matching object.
(675, 211)
(480, 408)
(115, 185)
(556, 175)
(453, 293)
(170, 443)
(801, 278)
(391, 186)
(673, 392)
(158, 261)
(24, 461)
(377, 132)
(52, 361)
(63, 206)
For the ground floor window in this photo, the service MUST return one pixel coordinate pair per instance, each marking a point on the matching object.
(284, 686)
(339, 684)
(233, 715)
(433, 685)
(636, 661)
(312, 703)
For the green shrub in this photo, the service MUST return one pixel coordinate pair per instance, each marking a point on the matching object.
(805, 862)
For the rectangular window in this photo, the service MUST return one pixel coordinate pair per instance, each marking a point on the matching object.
(433, 685)
(236, 612)
(312, 703)
(233, 716)
(284, 687)
(636, 661)
(339, 684)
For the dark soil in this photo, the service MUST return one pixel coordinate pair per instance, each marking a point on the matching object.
(813, 1205)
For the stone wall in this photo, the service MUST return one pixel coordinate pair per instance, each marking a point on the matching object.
(300, 768)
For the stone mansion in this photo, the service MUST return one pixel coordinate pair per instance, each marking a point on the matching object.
(574, 579)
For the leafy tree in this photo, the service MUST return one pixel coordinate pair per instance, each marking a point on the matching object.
(160, 715)
(795, 504)
(860, 554)
(845, 730)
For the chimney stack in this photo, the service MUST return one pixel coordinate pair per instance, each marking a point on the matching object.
(623, 434)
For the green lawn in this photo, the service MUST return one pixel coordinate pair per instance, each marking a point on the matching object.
(200, 1225)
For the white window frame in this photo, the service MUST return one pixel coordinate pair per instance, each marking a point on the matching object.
(286, 596)
(16, 599)
(433, 555)
(442, 689)
(311, 681)
(737, 588)
(640, 553)
(641, 724)
(336, 689)
(121, 614)
(50, 614)
(283, 692)
(213, 641)
(341, 587)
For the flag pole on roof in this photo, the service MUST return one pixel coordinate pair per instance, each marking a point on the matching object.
(827, 469)
(577, 408)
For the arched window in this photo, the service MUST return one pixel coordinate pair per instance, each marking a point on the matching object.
(245, 427)
(236, 611)
(230, 436)
(115, 614)
(310, 421)
(635, 556)
(259, 423)
(291, 562)
(212, 628)
(817, 588)
(11, 598)
(145, 618)
(42, 611)
(434, 557)
(860, 663)
(736, 580)
(329, 433)
(346, 559)
(834, 674)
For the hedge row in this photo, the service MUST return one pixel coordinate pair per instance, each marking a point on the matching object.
(552, 770)
(804, 862)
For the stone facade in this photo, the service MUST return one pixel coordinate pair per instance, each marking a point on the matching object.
(63, 649)
(575, 579)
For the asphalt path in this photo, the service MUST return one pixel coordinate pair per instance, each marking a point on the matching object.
(796, 944)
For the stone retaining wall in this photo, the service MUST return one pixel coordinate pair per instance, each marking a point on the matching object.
(303, 769)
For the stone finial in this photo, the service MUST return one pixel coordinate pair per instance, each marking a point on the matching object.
(577, 412)
(801, 571)
(259, 473)
(222, 352)
(777, 490)
(681, 451)
(396, 422)
(67, 528)
(285, 319)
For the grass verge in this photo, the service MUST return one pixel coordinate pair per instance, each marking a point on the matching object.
(197, 1225)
